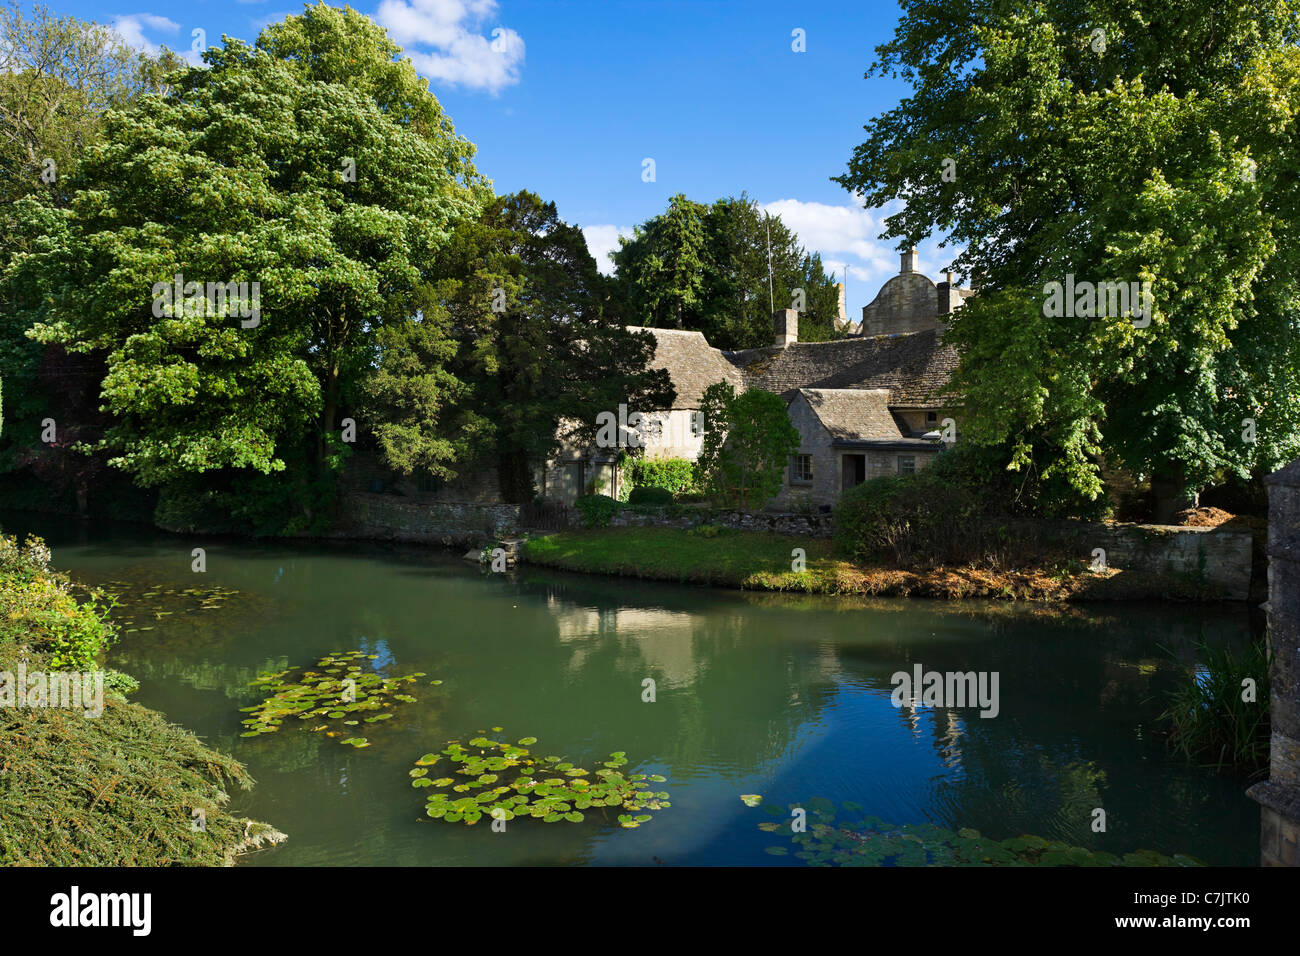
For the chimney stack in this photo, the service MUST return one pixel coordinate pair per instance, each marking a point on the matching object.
(842, 319)
(909, 262)
(785, 323)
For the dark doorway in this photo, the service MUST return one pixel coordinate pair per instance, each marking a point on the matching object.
(853, 471)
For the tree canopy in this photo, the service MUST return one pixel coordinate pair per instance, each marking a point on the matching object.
(1125, 141)
(315, 165)
(705, 268)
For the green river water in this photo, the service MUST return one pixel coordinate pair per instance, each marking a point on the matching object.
(783, 696)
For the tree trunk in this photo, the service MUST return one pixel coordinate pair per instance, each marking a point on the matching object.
(1172, 494)
(329, 412)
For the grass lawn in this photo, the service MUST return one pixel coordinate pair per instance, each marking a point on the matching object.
(762, 562)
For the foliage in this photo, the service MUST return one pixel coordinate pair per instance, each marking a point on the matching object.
(118, 790)
(748, 441)
(507, 780)
(960, 509)
(195, 389)
(706, 268)
(39, 612)
(1207, 719)
(58, 75)
(521, 317)
(863, 840)
(1163, 154)
(650, 495)
(596, 510)
(340, 690)
(677, 475)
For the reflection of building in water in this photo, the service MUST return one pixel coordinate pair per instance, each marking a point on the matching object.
(951, 747)
(664, 640)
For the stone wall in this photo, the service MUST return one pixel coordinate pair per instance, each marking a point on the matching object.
(1279, 795)
(766, 522)
(397, 518)
(1219, 558)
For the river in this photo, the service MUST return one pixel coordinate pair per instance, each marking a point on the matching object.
(786, 697)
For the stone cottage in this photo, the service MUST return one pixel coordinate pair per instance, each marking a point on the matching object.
(872, 403)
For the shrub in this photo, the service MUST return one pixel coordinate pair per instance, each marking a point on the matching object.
(674, 474)
(596, 510)
(650, 495)
(958, 510)
(37, 609)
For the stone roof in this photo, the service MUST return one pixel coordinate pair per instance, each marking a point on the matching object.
(692, 364)
(853, 414)
(915, 367)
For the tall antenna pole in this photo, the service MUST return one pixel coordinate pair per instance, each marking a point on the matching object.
(771, 302)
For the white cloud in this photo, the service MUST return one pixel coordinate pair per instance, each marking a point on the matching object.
(846, 238)
(455, 50)
(601, 241)
(131, 28)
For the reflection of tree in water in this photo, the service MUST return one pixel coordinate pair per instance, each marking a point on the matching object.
(1076, 731)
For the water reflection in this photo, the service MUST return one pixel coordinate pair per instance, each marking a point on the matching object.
(786, 696)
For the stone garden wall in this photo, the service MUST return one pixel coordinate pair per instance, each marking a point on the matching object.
(805, 525)
(1220, 558)
(387, 517)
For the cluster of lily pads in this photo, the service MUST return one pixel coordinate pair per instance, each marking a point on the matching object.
(503, 781)
(338, 690)
(869, 841)
(150, 605)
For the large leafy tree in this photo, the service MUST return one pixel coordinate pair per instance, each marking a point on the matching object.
(536, 342)
(748, 441)
(706, 268)
(316, 164)
(1122, 140)
(58, 77)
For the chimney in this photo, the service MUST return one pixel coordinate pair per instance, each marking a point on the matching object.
(909, 262)
(842, 319)
(949, 297)
(785, 323)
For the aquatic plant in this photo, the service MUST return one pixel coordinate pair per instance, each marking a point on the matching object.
(500, 780)
(339, 691)
(864, 840)
(1209, 721)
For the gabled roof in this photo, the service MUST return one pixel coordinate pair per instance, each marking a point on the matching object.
(692, 364)
(914, 367)
(853, 414)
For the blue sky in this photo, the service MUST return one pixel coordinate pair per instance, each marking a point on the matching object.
(569, 97)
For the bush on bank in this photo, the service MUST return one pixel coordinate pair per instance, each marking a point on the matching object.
(962, 509)
(120, 789)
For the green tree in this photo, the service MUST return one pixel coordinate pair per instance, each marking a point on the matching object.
(316, 164)
(538, 341)
(748, 441)
(662, 265)
(58, 77)
(1127, 141)
(706, 268)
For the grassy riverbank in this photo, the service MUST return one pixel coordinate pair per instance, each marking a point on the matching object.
(763, 562)
(84, 787)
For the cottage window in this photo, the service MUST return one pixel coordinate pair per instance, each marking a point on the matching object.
(907, 464)
(932, 418)
(801, 469)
